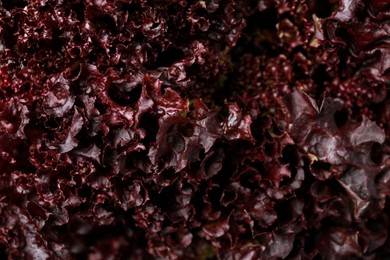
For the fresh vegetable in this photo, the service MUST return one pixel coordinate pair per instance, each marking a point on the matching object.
(135, 129)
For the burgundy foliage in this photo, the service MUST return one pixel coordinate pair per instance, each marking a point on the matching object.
(180, 129)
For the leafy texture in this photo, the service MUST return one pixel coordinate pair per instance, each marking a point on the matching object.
(194, 129)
